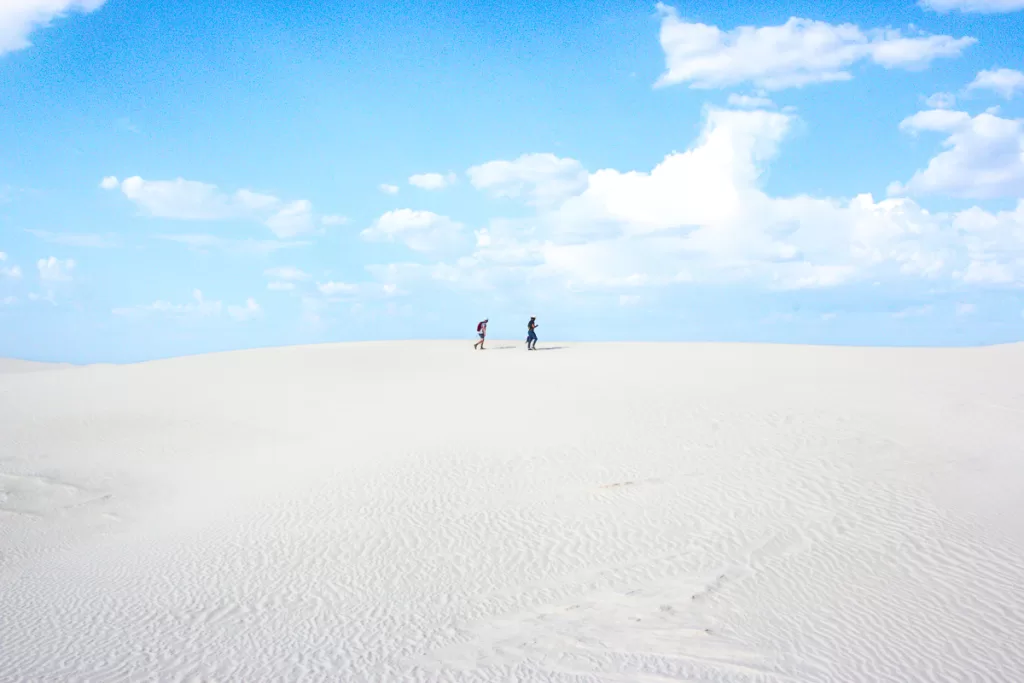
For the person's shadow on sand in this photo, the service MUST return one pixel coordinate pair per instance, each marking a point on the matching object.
(539, 348)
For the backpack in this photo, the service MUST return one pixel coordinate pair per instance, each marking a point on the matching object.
(480, 327)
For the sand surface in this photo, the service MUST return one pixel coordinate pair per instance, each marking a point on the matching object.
(607, 512)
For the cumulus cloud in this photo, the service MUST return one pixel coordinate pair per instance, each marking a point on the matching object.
(418, 230)
(388, 189)
(983, 159)
(110, 183)
(941, 100)
(1004, 82)
(248, 311)
(978, 6)
(994, 244)
(701, 215)
(192, 200)
(294, 218)
(13, 272)
(540, 179)
(19, 18)
(795, 54)
(432, 181)
(54, 269)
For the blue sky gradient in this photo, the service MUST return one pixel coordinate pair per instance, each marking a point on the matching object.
(314, 108)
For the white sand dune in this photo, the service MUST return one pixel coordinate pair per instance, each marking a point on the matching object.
(13, 365)
(604, 512)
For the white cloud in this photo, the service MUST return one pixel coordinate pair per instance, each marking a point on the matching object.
(809, 276)
(388, 189)
(284, 278)
(334, 220)
(68, 239)
(183, 199)
(202, 242)
(941, 100)
(913, 312)
(199, 306)
(418, 230)
(1004, 82)
(979, 6)
(984, 156)
(250, 310)
(334, 288)
(286, 273)
(750, 101)
(54, 269)
(797, 53)
(994, 244)
(701, 216)
(935, 120)
(347, 291)
(965, 309)
(110, 183)
(19, 18)
(294, 218)
(197, 201)
(47, 297)
(9, 301)
(432, 181)
(13, 272)
(541, 179)
(987, 272)
(312, 307)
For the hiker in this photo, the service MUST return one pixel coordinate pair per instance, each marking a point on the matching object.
(481, 329)
(531, 335)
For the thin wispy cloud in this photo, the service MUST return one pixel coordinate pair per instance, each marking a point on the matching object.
(66, 239)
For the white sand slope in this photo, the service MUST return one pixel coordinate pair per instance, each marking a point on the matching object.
(424, 512)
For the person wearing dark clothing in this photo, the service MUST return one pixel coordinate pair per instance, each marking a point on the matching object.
(481, 331)
(531, 334)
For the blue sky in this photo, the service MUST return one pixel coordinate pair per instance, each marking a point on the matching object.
(178, 181)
